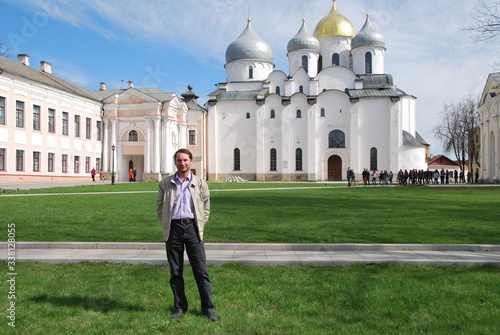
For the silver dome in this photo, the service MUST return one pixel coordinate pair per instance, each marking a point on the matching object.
(303, 41)
(367, 37)
(249, 46)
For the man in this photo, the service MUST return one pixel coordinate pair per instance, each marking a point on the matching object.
(183, 207)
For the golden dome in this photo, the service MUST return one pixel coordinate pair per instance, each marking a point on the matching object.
(334, 24)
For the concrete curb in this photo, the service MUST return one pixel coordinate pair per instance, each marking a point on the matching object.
(262, 246)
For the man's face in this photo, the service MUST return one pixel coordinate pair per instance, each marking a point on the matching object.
(182, 162)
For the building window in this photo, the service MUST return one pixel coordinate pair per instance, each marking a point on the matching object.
(98, 164)
(350, 61)
(2, 159)
(65, 123)
(278, 90)
(368, 62)
(77, 164)
(335, 59)
(50, 162)
(250, 72)
(248, 115)
(298, 159)
(322, 112)
(336, 139)
(64, 163)
(320, 63)
(236, 159)
(373, 159)
(99, 130)
(36, 161)
(87, 164)
(2, 110)
(133, 136)
(36, 117)
(298, 114)
(273, 160)
(19, 160)
(273, 114)
(52, 121)
(77, 125)
(305, 63)
(19, 114)
(192, 137)
(88, 128)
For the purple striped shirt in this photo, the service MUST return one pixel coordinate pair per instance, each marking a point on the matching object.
(183, 203)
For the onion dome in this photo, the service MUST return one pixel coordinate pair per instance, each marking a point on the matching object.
(368, 37)
(249, 46)
(304, 40)
(334, 24)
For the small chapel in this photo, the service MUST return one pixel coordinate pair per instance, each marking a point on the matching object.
(334, 108)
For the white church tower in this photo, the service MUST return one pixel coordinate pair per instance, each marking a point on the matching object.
(335, 108)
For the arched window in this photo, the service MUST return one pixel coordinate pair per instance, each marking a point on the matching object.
(133, 136)
(301, 89)
(273, 114)
(320, 63)
(322, 112)
(298, 159)
(368, 62)
(305, 63)
(373, 159)
(335, 59)
(273, 160)
(236, 159)
(299, 114)
(336, 139)
(250, 72)
(350, 61)
(278, 90)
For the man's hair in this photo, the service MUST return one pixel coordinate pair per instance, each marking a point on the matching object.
(183, 151)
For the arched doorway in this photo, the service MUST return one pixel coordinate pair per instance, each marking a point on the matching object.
(334, 168)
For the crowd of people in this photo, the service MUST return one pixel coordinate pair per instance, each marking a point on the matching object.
(412, 177)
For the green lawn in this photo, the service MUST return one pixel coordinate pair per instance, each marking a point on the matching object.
(320, 214)
(97, 298)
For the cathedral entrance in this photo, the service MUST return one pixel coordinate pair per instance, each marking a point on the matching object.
(334, 168)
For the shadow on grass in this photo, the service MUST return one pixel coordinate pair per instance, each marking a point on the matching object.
(96, 304)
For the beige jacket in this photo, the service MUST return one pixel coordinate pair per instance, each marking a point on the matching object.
(165, 202)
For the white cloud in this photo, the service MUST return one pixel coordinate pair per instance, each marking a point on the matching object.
(428, 52)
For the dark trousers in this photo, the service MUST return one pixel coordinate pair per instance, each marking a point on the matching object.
(184, 237)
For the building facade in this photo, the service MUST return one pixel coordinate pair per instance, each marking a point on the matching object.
(489, 111)
(335, 108)
(54, 130)
(50, 129)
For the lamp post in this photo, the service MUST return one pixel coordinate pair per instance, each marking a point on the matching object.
(113, 166)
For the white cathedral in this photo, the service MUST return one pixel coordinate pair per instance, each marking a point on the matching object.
(336, 108)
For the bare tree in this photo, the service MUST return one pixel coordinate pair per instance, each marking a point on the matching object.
(486, 21)
(458, 124)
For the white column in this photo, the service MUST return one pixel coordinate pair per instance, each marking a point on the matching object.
(167, 159)
(156, 146)
(105, 147)
(147, 154)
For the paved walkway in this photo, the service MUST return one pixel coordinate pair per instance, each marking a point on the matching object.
(261, 254)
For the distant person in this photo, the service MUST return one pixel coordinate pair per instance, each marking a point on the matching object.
(101, 176)
(130, 175)
(183, 207)
(135, 174)
(92, 173)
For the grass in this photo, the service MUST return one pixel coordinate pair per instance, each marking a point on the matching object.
(99, 298)
(309, 215)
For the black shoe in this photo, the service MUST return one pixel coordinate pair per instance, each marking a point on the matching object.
(211, 315)
(177, 314)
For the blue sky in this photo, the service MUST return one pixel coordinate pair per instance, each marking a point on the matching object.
(169, 44)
